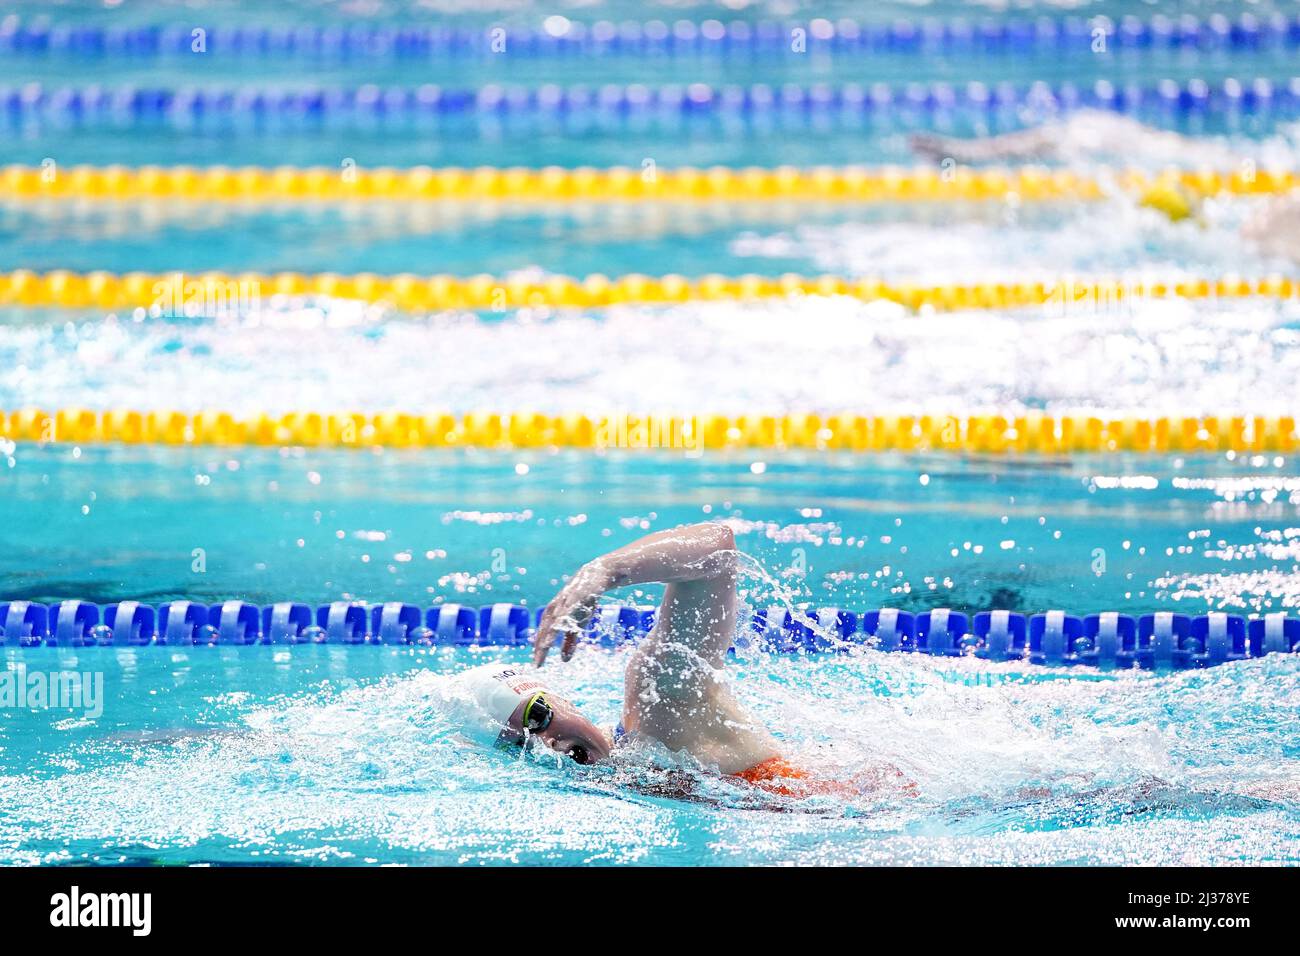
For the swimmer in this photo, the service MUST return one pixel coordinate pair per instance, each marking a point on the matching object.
(674, 689)
(1101, 135)
(1085, 134)
(503, 706)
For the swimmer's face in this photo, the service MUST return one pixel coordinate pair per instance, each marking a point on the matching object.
(568, 733)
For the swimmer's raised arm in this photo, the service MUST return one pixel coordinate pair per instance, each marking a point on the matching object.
(1086, 134)
(1040, 143)
(698, 552)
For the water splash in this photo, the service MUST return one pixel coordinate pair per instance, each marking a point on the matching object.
(1011, 764)
(1154, 357)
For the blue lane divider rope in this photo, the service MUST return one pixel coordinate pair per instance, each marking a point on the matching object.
(560, 37)
(95, 104)
(1162, 640)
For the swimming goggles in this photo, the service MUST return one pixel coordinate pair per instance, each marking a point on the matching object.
(537, 716)
(537, 713)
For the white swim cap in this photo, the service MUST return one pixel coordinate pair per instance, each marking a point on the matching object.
(483, 698)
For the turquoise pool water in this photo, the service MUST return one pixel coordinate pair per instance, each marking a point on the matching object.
(108, 524)
(336, 755)
(329, 755)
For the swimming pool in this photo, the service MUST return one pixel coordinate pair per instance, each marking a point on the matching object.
(333, 754)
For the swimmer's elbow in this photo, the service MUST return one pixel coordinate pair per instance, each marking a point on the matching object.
(718, 541)
(725, 538)
(721, 562)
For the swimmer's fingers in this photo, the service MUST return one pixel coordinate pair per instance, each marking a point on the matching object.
(571, 626)
(540, 646)
(576, 621)
(928, 145)
(567, 615)
(544, 638)
(556, 623)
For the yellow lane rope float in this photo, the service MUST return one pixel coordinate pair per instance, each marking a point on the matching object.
(1031, 433)
(620, 184)
(214, 293)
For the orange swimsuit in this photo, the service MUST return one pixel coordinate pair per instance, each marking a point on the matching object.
(771, 772)
(777, 775)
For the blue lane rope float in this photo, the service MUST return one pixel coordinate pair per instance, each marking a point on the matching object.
(251, 105)
(1162, 640)
(558, 36)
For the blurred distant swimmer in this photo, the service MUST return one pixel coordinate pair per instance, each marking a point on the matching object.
(1084, 134)
(674, 689)
(1102, 135)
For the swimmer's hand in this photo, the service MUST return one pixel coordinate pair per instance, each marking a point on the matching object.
(930, 146)
(703, 552)
(567, 615)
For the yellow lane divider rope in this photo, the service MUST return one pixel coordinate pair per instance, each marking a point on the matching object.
(1028, 433)
(616, 184)
(217, 293)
